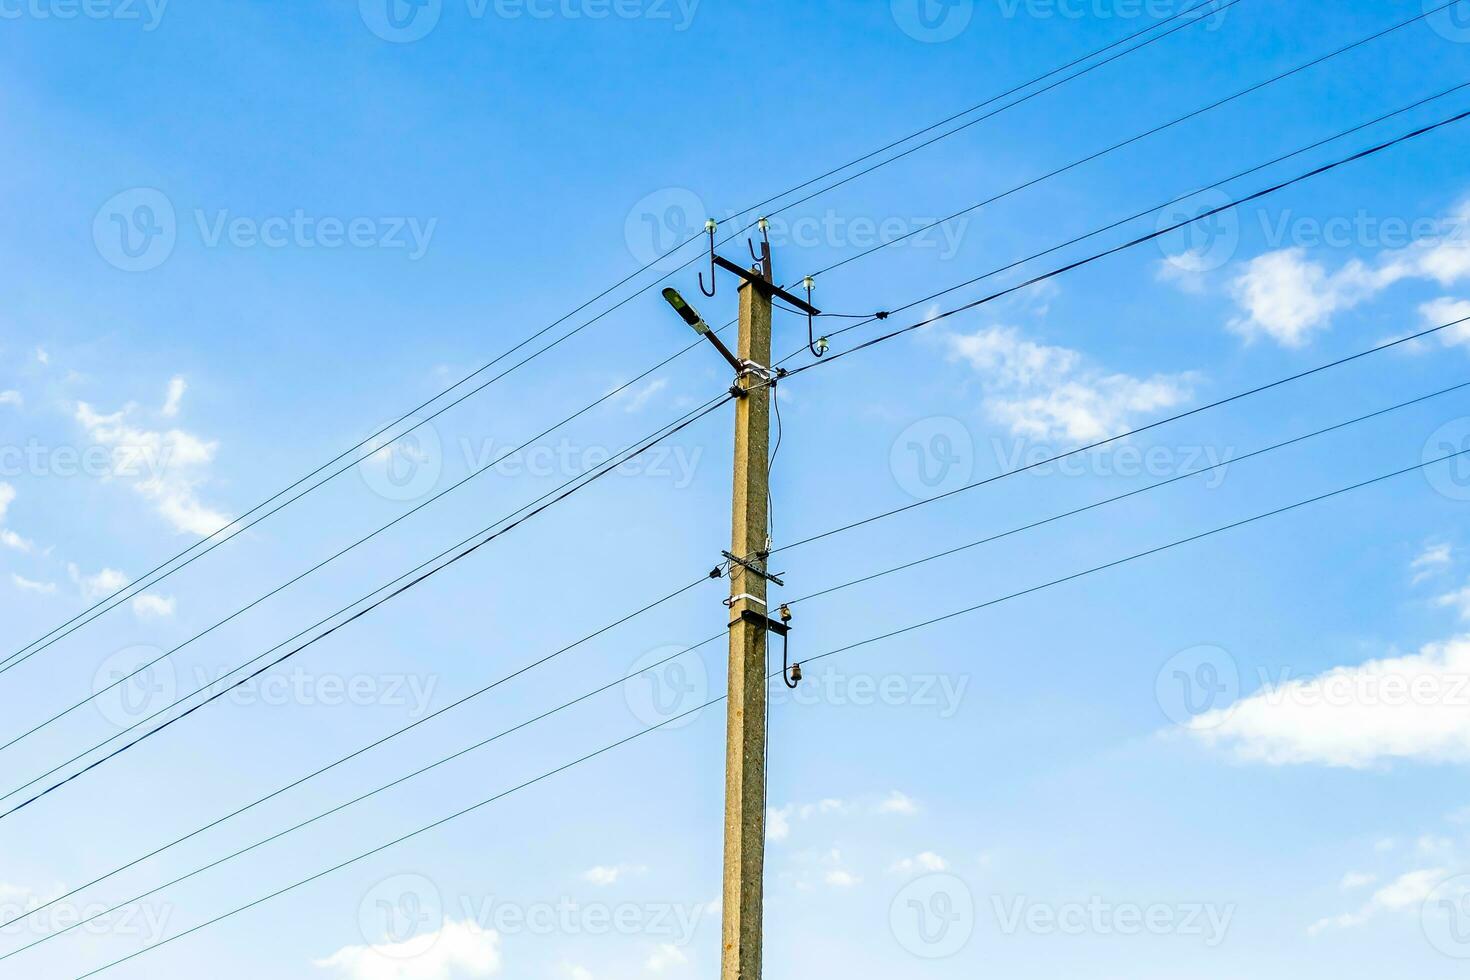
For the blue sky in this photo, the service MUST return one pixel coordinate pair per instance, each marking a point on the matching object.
(1241, 755)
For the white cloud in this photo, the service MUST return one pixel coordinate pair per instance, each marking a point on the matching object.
(165, 467)
(1287, 297)
(636, 399)
(576, 972)
(1003, 356)
(458, 950)
(12, 540)
(1048, 392)
(927, 861)
(42, 356)
(176, 388)
(147, 606)
(1354, 880)
(899, 804)
(665, 956)
(1408, 891)
(839, 878)
(1459, 600)
(779, 820)
(604, 875)
(778, 823)
(7, 537)
(1410, 707)
(1432, 559)
(1186, 270)
(100, 585)
(822, 808)
(11, 398)
(1438, 312)
(28, 585)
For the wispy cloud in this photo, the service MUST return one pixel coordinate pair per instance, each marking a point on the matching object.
(1286, 297)
(898, 803)
(926, 861)
(1048, 392)
(174, 396)
(167, 467)
(665, 957)
(604, 875)
(1429, 562)
(1414, 707)
(1406, 892)
(30, 585)
(460, 949)
(149, 606)
(637, 398)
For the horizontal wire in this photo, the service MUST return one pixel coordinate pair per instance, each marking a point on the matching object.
(146, 580)
(566, 490)
(693, 711)
(623, 680)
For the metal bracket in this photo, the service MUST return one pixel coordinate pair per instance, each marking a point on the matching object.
(769, 288)
(751, 567)
(750, 367)
(780, 629)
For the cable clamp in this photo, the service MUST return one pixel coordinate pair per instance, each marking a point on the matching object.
(744, 595)
(750, 367)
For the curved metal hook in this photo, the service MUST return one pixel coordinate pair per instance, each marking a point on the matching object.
(817, 346)
(710, 227)
(765, 226)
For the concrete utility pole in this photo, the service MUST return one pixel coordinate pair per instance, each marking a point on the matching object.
(745, 749)
(745, 752)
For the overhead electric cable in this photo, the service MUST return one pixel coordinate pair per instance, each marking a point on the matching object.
(551, 499)
(823, 656)
(32, 911)
(148, 579)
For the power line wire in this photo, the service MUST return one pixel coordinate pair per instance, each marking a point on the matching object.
(147, 580)
(1163, 127)
(550, 500)
(338, 554)
(1218, 403)
(576, 701)
(121, 680)
(831, 653)
(1148, 488)
(356, 753)
(1326, 168)
(1147, 211)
